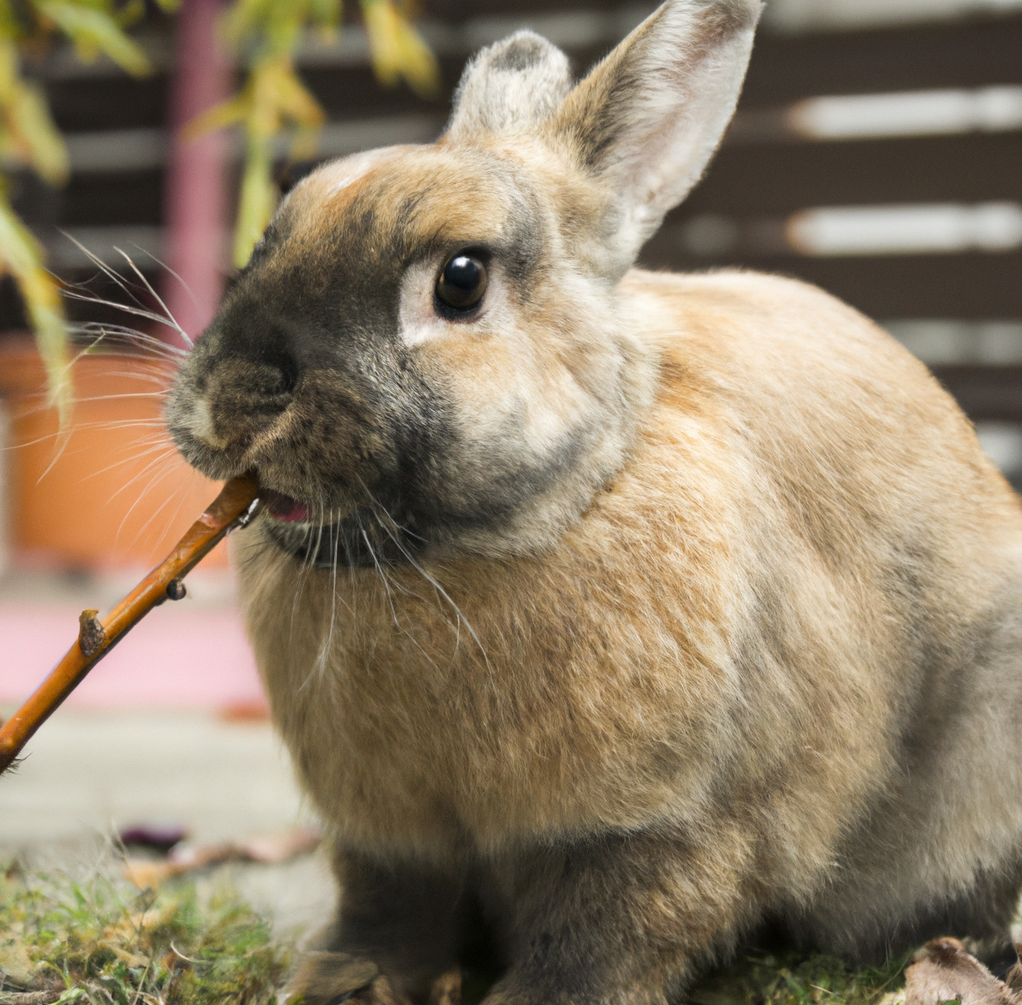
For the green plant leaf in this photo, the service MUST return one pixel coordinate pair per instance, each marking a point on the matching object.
(44, 146)
(22, 256)
(398, 50)
(257, 201)
(94, 30)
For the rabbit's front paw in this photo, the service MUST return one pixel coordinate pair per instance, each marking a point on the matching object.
(446, 989)
(333, 978)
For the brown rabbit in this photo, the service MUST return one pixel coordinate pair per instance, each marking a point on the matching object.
(623, 611)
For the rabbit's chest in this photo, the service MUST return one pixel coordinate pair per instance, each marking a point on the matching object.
(425, 721)
(388, 755)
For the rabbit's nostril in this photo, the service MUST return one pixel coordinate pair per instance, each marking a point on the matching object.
(288, 374)
(275, 378)
(266, 388)
(273, 391)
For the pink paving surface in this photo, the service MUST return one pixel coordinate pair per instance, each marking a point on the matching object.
(175, 658)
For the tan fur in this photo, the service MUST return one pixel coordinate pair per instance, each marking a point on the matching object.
(436, 739)
(630, 612)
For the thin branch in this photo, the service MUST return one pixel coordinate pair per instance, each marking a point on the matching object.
(233, 507)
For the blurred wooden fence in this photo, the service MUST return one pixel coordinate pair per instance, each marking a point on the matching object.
(739, 215)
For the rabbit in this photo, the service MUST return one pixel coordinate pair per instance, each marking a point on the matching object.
(609, 616)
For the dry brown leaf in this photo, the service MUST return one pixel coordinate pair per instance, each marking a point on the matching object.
(270, 849)
(944, 971)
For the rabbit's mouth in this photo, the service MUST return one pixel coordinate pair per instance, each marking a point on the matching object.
(284, 507)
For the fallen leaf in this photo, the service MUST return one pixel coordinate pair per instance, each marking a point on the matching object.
(943, 971)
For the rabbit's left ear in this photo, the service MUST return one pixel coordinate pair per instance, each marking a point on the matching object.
(510, 86)
(648, 118)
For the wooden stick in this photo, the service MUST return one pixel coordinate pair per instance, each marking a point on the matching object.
(231, 508)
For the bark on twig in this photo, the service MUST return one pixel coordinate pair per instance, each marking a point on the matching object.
(91, 634)
(231, 508)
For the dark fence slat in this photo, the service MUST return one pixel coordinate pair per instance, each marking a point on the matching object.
(114, 102)
(956, 54)
(985, 392)
(109, 200)
(973, 285)
(459, 11)
(780, 178)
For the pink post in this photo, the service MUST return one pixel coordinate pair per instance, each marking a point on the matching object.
(195, 193)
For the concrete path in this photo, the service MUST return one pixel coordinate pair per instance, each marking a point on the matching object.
(89, 774)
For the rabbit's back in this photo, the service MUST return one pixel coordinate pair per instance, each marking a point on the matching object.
(883, 556)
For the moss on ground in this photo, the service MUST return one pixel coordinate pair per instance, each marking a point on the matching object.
(102, 942)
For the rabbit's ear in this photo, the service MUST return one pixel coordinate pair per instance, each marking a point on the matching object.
(511, 85)
(648, 118)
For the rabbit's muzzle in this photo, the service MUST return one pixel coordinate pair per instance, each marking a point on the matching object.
(341, 454)
(248, 396)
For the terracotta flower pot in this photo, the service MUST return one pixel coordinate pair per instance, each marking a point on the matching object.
(110, 490)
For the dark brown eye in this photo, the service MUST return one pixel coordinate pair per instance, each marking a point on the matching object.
(462, 283)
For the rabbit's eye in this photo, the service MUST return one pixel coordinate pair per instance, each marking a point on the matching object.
(462, 283)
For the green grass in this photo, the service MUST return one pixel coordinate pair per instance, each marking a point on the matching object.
(793, 979)
(103, 943)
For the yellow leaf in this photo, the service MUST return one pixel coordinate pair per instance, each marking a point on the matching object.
(130, 13)
(297, 103)
(241, 18)
(227, 113)
(258, 197)
(94, 29)
(50, 331)
(384, 45)
(22, 256)
(418, 64)
(274, 97)
(9, 74)
(283, 27)
(398, 50)
(44, 147)
(304, 145)
(19, 249)
(325, 13)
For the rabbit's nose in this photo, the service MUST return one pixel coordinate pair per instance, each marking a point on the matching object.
(238, 399)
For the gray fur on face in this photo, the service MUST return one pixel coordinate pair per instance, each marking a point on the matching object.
(511, 85)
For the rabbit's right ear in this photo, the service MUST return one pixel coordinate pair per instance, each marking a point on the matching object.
(648, 118)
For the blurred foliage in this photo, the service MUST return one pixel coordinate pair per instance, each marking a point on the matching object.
(102, 942)
(263, 35)
(30, 140)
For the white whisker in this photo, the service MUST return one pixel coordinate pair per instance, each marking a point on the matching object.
(131, 458)
(131, 509)
(166, 268)
(461, 619)
(155, 296)
(159, 509)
